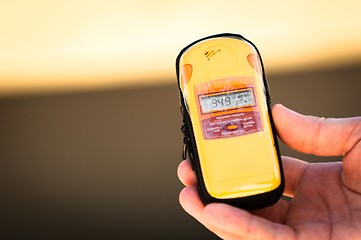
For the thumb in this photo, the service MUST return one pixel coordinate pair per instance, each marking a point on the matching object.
(324, 137)
(314, 135)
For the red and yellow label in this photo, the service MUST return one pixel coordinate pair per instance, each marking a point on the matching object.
(228, 108)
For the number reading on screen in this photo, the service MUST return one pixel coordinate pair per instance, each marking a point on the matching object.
(226, 101)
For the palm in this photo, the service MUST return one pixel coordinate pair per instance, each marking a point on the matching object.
(322, 207)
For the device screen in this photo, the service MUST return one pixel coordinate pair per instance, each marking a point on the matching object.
(226, 101)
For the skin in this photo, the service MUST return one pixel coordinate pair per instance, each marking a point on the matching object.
(326, 197)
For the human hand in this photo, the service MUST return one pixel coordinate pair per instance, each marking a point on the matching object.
(326, 197)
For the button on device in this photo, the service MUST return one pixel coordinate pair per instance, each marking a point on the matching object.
(231, 127)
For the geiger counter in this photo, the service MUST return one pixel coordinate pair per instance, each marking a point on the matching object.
(227, 123)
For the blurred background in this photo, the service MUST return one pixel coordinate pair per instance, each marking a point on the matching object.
(89, 116)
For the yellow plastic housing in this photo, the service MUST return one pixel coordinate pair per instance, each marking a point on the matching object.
(232, 166)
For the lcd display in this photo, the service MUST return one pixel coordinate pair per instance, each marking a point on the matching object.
(225, 101)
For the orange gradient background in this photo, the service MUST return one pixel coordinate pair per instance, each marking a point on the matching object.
(77, 45)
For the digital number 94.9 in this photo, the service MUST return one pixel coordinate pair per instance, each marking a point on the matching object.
(221, 101)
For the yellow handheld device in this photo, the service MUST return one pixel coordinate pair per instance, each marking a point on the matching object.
(227, 123)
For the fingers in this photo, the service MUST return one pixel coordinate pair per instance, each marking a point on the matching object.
(229, 222)
(191, 203)
(244, 224)
(313, 135)
(186, 174)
